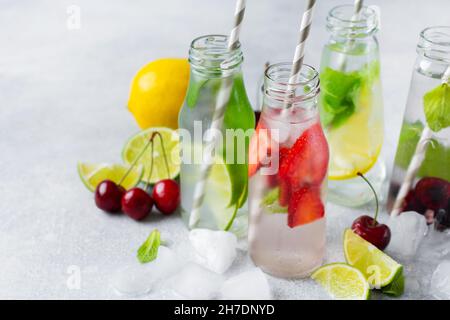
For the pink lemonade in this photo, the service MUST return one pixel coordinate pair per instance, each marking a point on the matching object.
(288, 158)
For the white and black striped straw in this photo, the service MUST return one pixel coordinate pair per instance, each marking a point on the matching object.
(300, 48)
(217, 121)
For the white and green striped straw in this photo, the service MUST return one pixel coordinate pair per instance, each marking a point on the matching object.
(217, 121)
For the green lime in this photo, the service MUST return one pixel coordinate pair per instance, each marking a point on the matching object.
(379, 269)
(218, 192)
(93, 173)
(342, 281)
(136, 143)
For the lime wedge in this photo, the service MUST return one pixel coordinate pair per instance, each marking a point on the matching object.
(93, 173)
(342, 281)
(136, 143)
(379, 269)
(217, 209)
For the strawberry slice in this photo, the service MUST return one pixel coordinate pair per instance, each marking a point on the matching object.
(305, 206)
(272, 180)
(307, 161)
(285, 192)
(259, 148)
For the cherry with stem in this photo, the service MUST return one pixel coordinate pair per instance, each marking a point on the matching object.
(368, 228)
(166, 192)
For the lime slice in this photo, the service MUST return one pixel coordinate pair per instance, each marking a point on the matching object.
(356, 144)
(379, 269)
(93, 173)
(342, 281)
(217, 208)
(136, 143)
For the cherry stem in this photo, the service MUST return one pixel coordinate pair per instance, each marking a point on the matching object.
(135, 161)
(147, 185)
(164, 155)
(374, 193)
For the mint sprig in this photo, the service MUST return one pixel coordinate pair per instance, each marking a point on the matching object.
(436, 106)
(148, 251)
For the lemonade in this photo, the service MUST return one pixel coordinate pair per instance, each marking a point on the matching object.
(351, 107)
(288, 160)
(226, 189)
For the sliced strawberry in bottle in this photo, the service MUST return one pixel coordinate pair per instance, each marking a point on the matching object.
(285, 192)
(307, 161)
(259, 149)
(305, 206)
(272, 180)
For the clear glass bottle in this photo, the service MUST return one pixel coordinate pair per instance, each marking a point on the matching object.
(351, 107)
(288, 162)
(224, 205)
(425, 179)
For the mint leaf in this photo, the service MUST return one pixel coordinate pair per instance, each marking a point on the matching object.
(437, 155)
(436, 105)
(270, 201)
(337, 98)
(341, 92)
(148, 251)
(271, 197)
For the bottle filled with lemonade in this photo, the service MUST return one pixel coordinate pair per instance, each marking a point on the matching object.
(225, 198)
(288, 161)
(351, 107)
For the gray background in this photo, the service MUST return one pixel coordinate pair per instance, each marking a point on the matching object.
(63, 99)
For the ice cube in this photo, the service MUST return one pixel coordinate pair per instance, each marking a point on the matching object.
(407, 232)
(195, 282)
(249, 285)
(132, 280)
(279, 132)
(440, 281)
(216, 250)
(138, 278)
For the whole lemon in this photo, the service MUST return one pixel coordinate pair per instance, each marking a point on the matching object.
(157, 93)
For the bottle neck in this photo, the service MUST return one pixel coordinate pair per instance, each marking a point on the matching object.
(300, 97)
(434, 45)
(210, 57)
(344, 24)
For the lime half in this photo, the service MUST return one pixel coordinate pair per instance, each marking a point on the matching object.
(342, 281)
(93, 173)
(379, 269)
(136, 144)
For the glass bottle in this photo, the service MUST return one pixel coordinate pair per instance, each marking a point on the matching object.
(351, 107)
(422, 161)
(288, 162)
(224, 204)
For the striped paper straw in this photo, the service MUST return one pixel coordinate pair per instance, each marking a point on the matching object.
(299, 54)
(357, 9)
(217, 120)
(416, 160)
(300, 49)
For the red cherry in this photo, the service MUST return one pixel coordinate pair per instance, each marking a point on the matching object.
(137, 203)
(412, 203)
(166, 194)
(433, 193)
(108, 195)
(368, 228)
